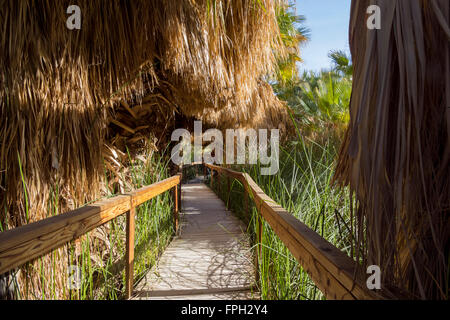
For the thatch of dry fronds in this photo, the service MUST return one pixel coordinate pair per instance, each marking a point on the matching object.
(71, 98)
(396, 154)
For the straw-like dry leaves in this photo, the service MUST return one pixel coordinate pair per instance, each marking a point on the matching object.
(73, 98)
(396, 154)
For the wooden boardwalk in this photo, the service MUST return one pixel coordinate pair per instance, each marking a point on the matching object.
(210, 259)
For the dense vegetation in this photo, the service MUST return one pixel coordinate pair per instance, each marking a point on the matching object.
(100, 253)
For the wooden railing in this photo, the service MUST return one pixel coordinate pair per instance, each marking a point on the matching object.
(23, 244)
(333, 272)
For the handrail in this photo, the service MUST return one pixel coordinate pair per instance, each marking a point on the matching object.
(332, 270)
(25, 243)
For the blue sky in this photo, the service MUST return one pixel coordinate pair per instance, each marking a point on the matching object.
(328, 22)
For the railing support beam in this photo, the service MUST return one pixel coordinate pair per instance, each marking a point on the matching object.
(130, 253)
(228, 192)
(175, 209)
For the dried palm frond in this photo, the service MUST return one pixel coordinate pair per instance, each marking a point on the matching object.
(396, 154)
(64, 93)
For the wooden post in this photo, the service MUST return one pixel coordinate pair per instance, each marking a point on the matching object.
(212, 179)
(260, 234)
(218, 183)
(175, 208)
(179, 197)
(228, 192)
(129, 253)
(259, 253)
(181, 182)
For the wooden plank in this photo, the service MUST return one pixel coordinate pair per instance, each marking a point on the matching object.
(129, 271)
(146, 193)
(219, 274)
(197, 248)
(233, 295)
(237, 293)
(175, 281)
(23, 244)
(188, 265)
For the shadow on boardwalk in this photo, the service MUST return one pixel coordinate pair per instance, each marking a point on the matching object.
(210, 259)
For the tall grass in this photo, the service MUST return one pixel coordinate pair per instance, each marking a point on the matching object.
(100, 254)
(153, 232)
(302, 187)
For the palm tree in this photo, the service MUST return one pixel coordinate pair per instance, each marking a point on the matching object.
(342, 62)
(329, 99)
(293, 34)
